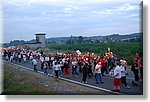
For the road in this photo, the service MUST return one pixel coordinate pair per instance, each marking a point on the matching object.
(108, 81)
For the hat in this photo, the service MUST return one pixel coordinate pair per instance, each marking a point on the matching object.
(99, 63)
(86, 59)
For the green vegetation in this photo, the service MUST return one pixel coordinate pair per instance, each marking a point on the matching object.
(17, 82)
(121, 49)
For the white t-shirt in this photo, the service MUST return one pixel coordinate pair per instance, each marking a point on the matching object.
(24, 56)
(19, 56)
(41, 58)
(34, 62)
(31, 57)
(98, 67)
(63, 60)
(122, 71)
(57, 67)
(116, 71)
(52, 58)
(46, 58)
(74, 63)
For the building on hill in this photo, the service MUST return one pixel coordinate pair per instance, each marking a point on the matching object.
(40, 41)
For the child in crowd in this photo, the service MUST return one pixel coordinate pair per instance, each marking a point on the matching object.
(117, 78)
(123, 74)
(57, 68)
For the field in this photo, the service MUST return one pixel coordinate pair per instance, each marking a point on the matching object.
(121, 49)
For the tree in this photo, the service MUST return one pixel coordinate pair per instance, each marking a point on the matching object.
(70, 41)
(80, 39)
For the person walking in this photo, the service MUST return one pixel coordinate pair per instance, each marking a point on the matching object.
(117, 78)
(66, 69)
(42, 62)
(24, 58)
(123, 75)
(90, 73)
(74, 68)
(34, 63)
(98, 73)
(57, 68)
(85, 72)
(45, 66)
(47, 59)
(135, 71)
(19, 56)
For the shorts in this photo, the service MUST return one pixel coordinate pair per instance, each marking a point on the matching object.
(117, 82)
(67, 71)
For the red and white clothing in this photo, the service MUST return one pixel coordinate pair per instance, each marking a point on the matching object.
(117, 75)
(117, 72)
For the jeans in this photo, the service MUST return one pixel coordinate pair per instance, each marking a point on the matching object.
(74, 70)
(98, 75)
(60, 72)
(45, 71)
(35, 68)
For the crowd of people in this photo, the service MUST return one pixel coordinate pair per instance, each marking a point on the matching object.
(67, 64)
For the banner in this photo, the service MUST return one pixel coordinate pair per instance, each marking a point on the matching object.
(78, 52)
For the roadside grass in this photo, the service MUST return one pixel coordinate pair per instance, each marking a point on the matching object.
(17, 82)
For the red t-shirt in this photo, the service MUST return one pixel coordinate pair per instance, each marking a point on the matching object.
(103, 63)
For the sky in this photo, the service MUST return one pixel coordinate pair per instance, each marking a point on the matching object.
(60, 18)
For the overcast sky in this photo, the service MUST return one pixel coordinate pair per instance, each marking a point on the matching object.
(58, 18)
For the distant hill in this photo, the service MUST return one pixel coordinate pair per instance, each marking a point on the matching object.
(111, 37)
(104, 38)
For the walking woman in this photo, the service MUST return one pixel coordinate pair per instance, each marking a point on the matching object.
(66, 69)
(85, 72)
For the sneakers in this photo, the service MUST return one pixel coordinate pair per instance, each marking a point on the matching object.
(84, 82)
(127, 87)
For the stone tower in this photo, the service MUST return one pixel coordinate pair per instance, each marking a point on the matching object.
(40, 38)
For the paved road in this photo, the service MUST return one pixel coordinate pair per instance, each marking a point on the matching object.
(108, 80)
